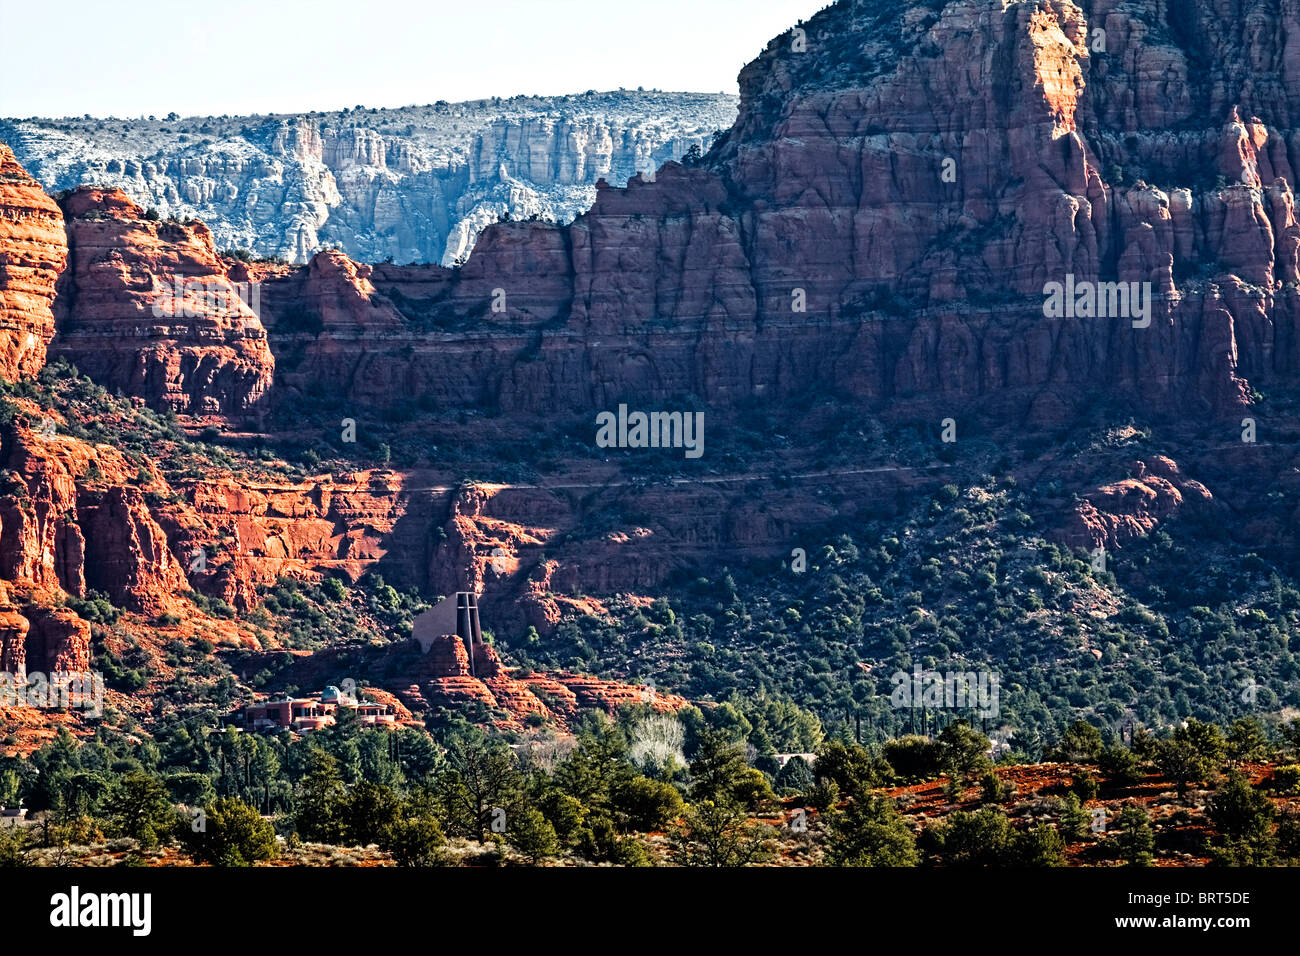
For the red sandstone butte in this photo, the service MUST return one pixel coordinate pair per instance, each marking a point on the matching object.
(922, 292)
(1133, 507)
(122, 321)
(33, 251)
(59, 641)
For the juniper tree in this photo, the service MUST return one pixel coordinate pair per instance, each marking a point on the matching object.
(870, 832)
(1134, 842)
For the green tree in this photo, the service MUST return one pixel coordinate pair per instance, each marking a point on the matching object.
(752, 790)
(1039, 846)
(852, 768)
(914, 757)
(415, 840)
(84, 792)
(13, 846)
(367, 812)
(993, 789)
(565, 812)
(1144, 744)
(963, 751)
(189, 788)
(796, 777)
(1028, 742)
(1074, 821)
(1082, 743)
(1247, 740)
(1285, 780)
(1120, 766)
(1206, 739)
(319, 799)
(1192, 755)
(529, 832)
(1291, 734)
(1085, 785)
(643, 804)
(720, 834)
(138, 807)
(1135, 841)
(597, 839)
(482, 778)
(720, 774)
(232, 834)
(982, 838)
(870, 832)
(1288, 838)
(1238, 810)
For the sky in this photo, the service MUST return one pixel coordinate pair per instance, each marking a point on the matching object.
(153, 57)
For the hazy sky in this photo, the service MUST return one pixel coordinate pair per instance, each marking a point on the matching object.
(156, 56)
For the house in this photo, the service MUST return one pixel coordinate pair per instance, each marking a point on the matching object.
(305, 714)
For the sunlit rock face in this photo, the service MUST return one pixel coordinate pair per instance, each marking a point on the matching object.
(416, 184)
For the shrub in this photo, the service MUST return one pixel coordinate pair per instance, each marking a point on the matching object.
(1247, 740)
(532, 834)
(415, 841)
(139, 808)
(1135, 840)
(870, 832)
(646, 804)
(983, 838)
(1286, 780)
(914, 757)
(1192, 755)
(1082, 743)
(851, 768)
(1085, 786)
(1120, 766)
(993, 789)
(1239, 810)
(1288, 837)
(1040, 846)
(13, 846)
(963, 750)
(719, 834)
(824, 795)
(230, 833)
(1074, 819)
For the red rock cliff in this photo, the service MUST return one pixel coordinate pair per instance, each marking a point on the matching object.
(149, 308)
(33, 251)
(913, 181)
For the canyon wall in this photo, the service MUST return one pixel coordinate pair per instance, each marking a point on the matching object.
(147, 307)
(878, 227)
(33, 251)
(415, 184)
(882, 223)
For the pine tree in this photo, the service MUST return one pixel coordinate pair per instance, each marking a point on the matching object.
(1135, 841)
(870, 832)
(531, 834)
